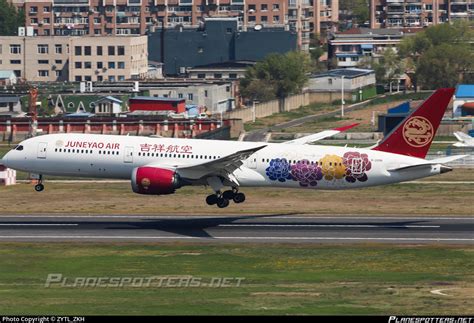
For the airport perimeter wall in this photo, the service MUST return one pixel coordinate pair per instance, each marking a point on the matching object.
(19, 128)
(268, 108)
(290, 103)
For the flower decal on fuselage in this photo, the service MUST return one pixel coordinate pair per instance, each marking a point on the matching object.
(279, 169)
(306, 173)
(357, 165)
(352, 167)
(332, 167)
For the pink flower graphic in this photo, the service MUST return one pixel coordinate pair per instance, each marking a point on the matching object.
(357, 165)
(307, 173)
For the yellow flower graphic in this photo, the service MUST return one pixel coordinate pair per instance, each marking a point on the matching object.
(332, 167)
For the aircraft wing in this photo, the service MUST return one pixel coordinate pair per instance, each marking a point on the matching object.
(320, 135)
(223, 166)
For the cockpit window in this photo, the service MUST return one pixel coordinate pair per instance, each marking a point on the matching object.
(18, 147)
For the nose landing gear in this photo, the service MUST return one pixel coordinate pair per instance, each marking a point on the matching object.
(39, 187)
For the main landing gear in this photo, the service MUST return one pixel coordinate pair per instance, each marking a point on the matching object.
(222, 200)
(39, 187)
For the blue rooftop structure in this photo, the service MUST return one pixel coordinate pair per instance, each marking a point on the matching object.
(402, 108)
(464, 91)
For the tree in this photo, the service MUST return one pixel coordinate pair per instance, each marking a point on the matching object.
(10, 19)
(359, 9)
(427, 55)
(388, 68)
(445, 65)
(277, 76)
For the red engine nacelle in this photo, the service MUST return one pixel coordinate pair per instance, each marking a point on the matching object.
(153, 180)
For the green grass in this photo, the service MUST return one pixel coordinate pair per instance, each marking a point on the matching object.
(400, 96)
(278, 279)
(286, 116)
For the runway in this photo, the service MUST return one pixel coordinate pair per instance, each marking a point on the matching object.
(239, 229)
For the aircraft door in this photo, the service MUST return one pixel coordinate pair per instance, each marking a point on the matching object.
(42, 146)
(128, 155)
(252, 161)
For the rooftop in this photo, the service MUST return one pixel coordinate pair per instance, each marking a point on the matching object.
(5, 99)
(109, 98)
(230, 64)
(369, 32)
(346, 72)
(156, 98)
(6, 74)
(464, 91)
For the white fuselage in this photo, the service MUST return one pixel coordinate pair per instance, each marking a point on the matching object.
(312, 166)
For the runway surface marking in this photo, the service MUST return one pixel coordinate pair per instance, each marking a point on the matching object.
(440, 291)
(330, 225)
(256, 228)
(38, 224)
(232, 238)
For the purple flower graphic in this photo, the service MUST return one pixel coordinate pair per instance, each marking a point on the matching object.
(306, 173)
(357, 165)
(279, 169)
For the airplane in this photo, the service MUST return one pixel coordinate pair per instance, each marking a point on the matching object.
(464, 140)
(160, 166)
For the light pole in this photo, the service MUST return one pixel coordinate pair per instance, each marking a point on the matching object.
(342, 96)
(253, 110)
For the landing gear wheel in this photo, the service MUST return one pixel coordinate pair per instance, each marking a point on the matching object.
(239, 197)
(228, 195)
(222, 202)
(39, 187)
(211, 199)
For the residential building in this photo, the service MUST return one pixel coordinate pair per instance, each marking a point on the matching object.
(216, 97)
(111, 59)
(57, 58)
(349, 48)
(107, 106)
(35, 58)
(418, 13)
(136, 17)
(347, 79)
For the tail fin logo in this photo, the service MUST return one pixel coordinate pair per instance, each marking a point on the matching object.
(418, 131)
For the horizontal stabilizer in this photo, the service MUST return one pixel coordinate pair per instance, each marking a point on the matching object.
(428, 163)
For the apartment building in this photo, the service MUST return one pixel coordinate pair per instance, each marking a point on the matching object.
(418, 13)
(349, 48)
(136, 17)
(56, 58)
(108, 58)
(35, 59)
